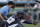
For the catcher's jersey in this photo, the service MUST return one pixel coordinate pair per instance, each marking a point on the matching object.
(14, 20)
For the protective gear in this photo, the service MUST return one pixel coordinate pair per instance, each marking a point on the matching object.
(13, 6)
(20, 13)
(11, 3)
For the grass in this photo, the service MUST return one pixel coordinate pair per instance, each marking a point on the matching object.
(31, 25)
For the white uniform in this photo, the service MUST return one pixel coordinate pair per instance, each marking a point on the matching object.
(35, 13)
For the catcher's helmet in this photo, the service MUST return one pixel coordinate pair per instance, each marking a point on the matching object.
(20, 13)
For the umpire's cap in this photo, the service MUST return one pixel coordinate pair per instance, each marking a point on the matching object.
(11, 3)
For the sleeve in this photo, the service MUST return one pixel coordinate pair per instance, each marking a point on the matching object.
(10, 20)
(26, 22)
(22, 21)
(35, 6)
(2, 10)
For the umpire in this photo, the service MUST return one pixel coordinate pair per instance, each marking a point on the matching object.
(4, 11)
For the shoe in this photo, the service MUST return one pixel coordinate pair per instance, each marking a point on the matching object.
(34, 22)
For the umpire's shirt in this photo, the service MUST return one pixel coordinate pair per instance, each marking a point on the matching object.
(5, 11)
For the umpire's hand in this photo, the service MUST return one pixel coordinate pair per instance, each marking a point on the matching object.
(4, 20)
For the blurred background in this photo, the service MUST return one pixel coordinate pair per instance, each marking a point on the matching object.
(30, 7)
(20, 4)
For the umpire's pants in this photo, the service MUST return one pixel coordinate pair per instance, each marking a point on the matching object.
(2, 23)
